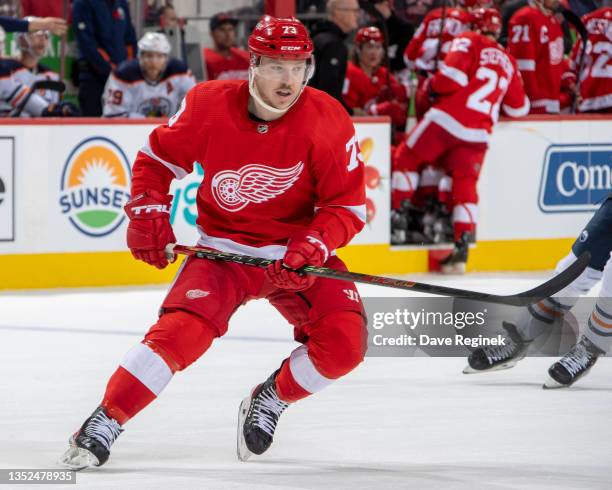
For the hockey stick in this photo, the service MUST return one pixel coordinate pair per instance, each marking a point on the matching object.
(55, 85)
(525, 298)
(576, 21)
(440, 37)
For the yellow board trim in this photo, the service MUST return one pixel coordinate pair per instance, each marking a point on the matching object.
(43, 271)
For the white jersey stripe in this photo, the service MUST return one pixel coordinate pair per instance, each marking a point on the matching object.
(178, 172)
(454, 74)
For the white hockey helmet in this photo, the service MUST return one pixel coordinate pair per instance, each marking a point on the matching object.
(155, 42)
(23, 38)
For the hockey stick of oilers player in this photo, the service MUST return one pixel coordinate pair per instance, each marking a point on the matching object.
(525, 298)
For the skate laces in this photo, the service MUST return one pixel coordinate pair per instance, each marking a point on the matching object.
(577, 358)
(103, 429)
(267, 408)
(500, 352)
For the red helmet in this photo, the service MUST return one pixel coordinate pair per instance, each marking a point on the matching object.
(487, 21)
(280, 38)
(369, 35)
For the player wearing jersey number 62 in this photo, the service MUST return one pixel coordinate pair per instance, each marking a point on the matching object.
(475, 81)
(282, 180)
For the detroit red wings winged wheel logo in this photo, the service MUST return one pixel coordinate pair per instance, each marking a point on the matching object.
(233, 190)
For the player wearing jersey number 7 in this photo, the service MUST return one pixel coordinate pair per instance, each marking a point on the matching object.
(283, 180)
(475, 81)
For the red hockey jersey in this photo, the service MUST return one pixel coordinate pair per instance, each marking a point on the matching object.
(476, 78)
(421, 51)
(596, 79)
(263, 181)
(535, 39)
(380, 94)
(218, 67)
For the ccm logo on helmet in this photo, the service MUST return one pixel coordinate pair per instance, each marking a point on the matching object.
(290, 48)
(160, 208)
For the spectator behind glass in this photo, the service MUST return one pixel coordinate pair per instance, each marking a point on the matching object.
(330, 52)
(171, 25)
(225, 61)
(168, 17)
(105, 37)
(47, 8)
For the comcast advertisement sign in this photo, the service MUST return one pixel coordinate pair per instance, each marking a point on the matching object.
(575, 178)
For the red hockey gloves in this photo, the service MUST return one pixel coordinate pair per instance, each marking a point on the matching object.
(149, 230)
(305, 249)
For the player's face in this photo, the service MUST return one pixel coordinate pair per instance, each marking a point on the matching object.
(346, 15)
(371, 54)
(224, 36)
(39, 42)
(153, 64)
(279, 82)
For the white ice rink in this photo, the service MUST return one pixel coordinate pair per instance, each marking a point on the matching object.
(414, 423)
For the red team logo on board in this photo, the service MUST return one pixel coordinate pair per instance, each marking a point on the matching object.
(233, 190)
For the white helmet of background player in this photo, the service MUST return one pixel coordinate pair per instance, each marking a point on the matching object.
(153, 54)
(284, 39)
(33, 43)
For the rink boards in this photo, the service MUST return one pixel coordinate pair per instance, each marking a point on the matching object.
(63, 185)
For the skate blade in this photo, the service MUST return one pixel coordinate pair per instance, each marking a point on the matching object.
(551, 384)
(76, 458)
(500, 367)
(242, 450)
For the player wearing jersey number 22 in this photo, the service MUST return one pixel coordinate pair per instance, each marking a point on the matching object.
(475, 81)
(282, 180)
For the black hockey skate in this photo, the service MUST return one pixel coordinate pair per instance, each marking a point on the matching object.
(498, 357)
(90, 445)
(257, 418)
(573, 365)
(456, 261)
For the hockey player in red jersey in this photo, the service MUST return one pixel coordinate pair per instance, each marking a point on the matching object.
(596, 71)
(535, 39)
(369, 88)
(476, 79)
(423, 52)
(283, 180)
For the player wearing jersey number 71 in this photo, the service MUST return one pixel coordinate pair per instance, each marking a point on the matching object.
(283, 180)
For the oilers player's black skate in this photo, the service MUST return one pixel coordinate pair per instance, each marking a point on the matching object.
(497, 357)
(456, 261)
(573, 365)
(90, 445)
(257, 418)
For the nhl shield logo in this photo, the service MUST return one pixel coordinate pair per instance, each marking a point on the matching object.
(262, 128)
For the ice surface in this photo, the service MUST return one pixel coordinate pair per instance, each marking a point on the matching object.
(414, 423)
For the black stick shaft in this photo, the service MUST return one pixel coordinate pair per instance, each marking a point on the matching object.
(526, 298)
